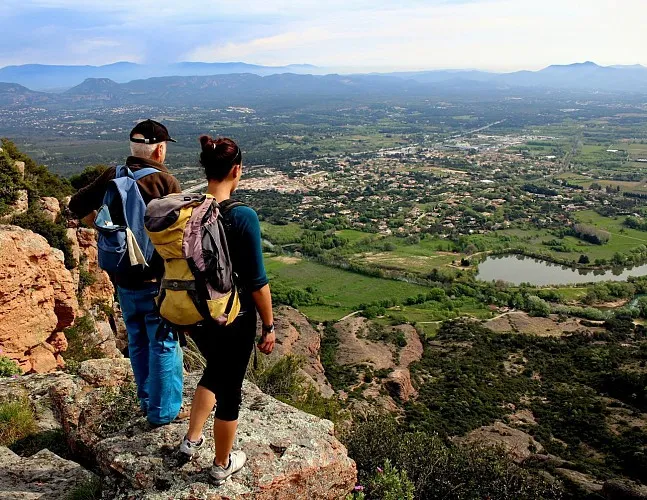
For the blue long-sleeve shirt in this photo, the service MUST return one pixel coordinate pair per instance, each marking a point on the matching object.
(245, 248)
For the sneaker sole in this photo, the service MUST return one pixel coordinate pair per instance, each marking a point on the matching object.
(220, 482)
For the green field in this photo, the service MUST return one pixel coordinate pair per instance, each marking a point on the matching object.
(340, 291)
(623, 239)
(352, 235)
(281, 235)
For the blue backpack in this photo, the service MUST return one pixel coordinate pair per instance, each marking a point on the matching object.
(123, 209)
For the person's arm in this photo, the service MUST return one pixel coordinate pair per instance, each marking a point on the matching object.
(88, 199)
(263, 301)
(252, 275)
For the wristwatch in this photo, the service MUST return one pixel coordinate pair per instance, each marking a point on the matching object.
(268, 329)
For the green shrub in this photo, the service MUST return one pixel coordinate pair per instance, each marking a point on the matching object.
(88, 176)
(38, 180)
(283, 380)
(279, 379)
(10, 182)
(86, 279)
(390, 484)
(121, 404)
(16, 421)
(80, 345)
(54, 232)
(438, 469)
(340, 377)
(8, 367)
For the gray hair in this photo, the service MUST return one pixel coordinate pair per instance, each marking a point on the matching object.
(141, 150)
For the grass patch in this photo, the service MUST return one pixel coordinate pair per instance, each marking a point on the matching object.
(16, 421)
(88, 490)
(121, 403)
(283, 380)
(340, 291)
(281, 235)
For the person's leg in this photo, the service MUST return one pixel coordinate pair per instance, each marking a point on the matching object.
(138, 350)
(203, 402)
(204, 398)
(232, 366)
(165, 366)
(224, 434)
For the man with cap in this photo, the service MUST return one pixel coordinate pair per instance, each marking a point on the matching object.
(157, 362)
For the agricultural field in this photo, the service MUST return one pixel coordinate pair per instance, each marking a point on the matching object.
(281, 235)
(336, 291)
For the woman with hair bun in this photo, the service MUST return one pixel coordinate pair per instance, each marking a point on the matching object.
(227, 349)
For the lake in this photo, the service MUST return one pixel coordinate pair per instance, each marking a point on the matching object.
(517, 269)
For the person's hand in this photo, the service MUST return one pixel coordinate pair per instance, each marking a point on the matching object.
(267, 342)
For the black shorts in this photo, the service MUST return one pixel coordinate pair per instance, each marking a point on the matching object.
(227, 351)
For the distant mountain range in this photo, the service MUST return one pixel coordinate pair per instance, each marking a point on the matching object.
(582, 76)
(51, 77)
(579, 76)
(284, 88)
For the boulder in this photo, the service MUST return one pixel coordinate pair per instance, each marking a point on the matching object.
(43, 476)
(399, 385)
(106, 372)
(51, 208)
(291, 454)
(103, 337)
(518, 444)
(622, 489)
(20, 166)
(585, 482)
(76, 254)
(37, 299)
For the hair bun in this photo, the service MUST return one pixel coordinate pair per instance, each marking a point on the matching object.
(206, 142)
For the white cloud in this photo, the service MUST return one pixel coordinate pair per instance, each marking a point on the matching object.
(498, 34)
(360, 34)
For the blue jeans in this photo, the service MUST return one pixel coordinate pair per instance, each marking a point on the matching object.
(157, 364)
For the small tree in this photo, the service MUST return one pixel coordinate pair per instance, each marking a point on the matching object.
(584, 259)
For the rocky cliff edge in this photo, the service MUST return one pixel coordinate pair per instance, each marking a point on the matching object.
(291, 454)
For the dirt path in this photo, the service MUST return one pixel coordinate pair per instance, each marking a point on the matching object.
(350, 315)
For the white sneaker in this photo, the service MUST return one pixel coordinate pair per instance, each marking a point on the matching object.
(220, 474)
(190, 448)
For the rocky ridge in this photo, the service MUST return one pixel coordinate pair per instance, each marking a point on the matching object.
(291, 454)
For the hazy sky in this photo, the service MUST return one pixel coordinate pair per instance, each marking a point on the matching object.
(344, 35)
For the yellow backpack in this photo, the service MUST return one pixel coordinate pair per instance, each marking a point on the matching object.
(198, 284)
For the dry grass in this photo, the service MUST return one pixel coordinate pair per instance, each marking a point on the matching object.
(16, 421)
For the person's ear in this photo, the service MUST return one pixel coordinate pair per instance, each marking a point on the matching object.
(236, 171)
(159, 152)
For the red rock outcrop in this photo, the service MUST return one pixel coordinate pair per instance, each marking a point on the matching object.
(51, 208)
(295, 335)
(102, 289)
(37, 300)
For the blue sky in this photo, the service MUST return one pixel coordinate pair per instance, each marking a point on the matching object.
(342, 35)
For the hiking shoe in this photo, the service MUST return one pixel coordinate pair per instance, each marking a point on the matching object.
(190, 448)
(220, 474)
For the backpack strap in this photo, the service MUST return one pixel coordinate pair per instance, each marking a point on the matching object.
(122, 171)
(144, 172)
(227, 205)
